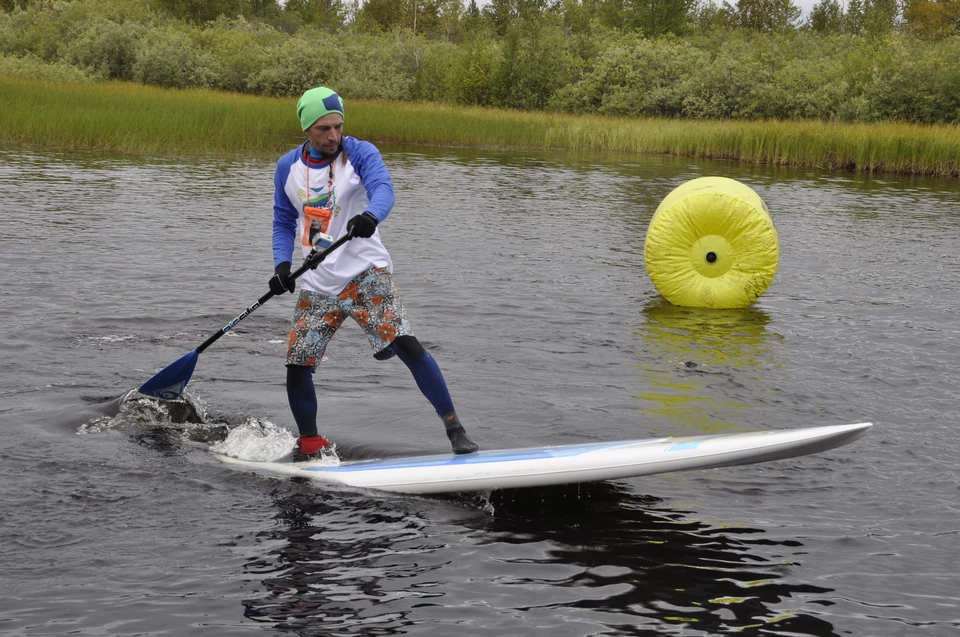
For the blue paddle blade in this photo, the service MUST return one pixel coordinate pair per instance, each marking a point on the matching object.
(171, 381)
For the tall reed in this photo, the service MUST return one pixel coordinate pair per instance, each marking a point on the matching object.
(143, 120)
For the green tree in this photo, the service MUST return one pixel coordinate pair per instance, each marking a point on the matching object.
(386, 14)
(418, 16)
(536, 62)
(652, 18)
(451, 18)
(826, 17)
(854, 18)
(201, 11)
(10, 5)
(580, 20)
(707, 15)
(473, 19)
(326, 14)
(765, 15)
(472, 70)
(880, 17)
(502, 13)
(932, 19)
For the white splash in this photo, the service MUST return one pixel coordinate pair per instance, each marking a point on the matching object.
(139, 410)
(262, 441)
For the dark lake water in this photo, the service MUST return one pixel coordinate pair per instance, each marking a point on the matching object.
(524, 275)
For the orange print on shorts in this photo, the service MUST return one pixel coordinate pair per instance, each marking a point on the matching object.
(334, 318)
(387, 332)
(349, 292)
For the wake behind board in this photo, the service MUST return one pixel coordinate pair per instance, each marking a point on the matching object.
(565, 464)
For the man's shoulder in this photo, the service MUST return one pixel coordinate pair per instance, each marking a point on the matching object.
(355, 147)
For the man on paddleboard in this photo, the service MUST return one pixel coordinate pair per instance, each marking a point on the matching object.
(331, 185)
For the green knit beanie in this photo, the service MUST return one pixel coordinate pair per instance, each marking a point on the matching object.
(316, 103)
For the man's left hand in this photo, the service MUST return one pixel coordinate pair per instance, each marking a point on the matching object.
(362, 226)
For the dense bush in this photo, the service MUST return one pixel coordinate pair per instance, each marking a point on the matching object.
(435, 68)
(371, 67)
(472, 71)
(32, 67)
(105, 49)
(171, 56)
(797, 76)
(294, 68)
(536, 63)
(239, 49)
(39, 32)
(920, 84)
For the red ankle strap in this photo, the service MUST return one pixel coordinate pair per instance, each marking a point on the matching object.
(312, 444)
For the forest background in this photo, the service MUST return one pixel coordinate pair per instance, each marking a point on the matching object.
(864, 61)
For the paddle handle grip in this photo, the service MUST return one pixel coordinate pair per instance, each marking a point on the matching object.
(316, 258)
(310, 262)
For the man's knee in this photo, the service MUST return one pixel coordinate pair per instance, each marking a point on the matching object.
(409, 346)
(298, 374)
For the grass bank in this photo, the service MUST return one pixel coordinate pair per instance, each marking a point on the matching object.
(143, 120)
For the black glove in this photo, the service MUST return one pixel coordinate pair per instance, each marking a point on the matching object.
(281, 281)
(362, 226)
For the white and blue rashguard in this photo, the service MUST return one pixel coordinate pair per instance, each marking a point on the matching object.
(309, 202)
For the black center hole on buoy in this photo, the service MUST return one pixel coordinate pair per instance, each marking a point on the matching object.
(711, 257)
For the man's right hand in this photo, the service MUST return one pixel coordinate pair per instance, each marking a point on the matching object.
(281, 282)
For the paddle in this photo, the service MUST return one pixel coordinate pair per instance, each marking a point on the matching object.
(171, 381)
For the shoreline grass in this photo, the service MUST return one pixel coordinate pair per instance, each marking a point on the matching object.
(144, 120)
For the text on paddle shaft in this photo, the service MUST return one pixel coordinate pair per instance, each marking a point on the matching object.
(229, 326)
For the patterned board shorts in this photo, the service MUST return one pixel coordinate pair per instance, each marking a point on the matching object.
(370, 298)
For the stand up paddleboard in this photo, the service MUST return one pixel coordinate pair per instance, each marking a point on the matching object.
(566, 464)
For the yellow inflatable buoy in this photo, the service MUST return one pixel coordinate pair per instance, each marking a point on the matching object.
(712, 243)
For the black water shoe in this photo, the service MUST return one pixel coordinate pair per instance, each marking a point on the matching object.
(457, 435)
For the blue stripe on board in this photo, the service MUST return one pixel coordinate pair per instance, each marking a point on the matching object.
(685, 446)
(483, 457)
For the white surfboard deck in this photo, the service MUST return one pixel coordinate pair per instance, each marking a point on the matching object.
(565, 464)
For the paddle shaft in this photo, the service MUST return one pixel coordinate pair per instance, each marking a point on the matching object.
(312, 261)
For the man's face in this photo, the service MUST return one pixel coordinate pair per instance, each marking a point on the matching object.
(325, 134)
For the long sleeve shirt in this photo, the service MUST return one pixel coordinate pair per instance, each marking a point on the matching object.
(312, 208)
